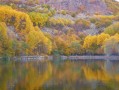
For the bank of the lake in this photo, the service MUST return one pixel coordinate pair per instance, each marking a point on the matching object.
(59, 57)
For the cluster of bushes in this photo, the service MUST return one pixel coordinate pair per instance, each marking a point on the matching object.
(102, 44)
(102, 21)
(82, 24)
(68, 44)
(31, 40)
(59, 22)
(112, 29)
(112, 6)
(27, 36)
(38, 19)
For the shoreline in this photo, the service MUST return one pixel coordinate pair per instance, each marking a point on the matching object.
(83, 57)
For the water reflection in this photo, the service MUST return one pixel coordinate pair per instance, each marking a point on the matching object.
(67, 75)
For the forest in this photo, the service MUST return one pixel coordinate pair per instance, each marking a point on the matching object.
(43, 30)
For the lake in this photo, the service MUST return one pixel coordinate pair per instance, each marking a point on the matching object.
(59, 75)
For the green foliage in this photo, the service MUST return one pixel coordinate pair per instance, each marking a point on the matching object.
(73, 14)
(63, 12)
(59, 22)
(116, 18)
(46, 6)
(38, 19)
(112, 29)
(82, 24)
(102, 21)
(112, 45)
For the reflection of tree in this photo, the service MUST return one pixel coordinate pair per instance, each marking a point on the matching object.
(99, 74)
(67, 72)
(67, 75)
(34, 80)
(5, 75)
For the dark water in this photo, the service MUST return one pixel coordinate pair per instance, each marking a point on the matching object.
(68, 75)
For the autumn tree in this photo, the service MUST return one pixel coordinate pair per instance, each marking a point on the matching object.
(111, 45)
(29, 37)
(112, 29)
(92, 43)
(38, 19)
(82, 24)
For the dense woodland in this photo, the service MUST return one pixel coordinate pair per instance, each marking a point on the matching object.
(45, 31)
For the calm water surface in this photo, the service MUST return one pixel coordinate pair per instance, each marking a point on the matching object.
(68, 75)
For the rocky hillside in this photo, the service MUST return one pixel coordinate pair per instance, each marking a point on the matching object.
(85, 6)
(88, 6)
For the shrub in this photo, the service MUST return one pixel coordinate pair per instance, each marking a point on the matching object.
(82, 24)
(38, 19)
(112, 29)
(102, 21)
(59, 22)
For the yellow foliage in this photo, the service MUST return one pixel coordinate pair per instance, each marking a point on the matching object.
(38, 19)
(83, 23)
(111, 17)
(24, 27)
(35, 80)
(64, 43)
(89, 40)
(96, 39)
(102, 20)
(60, 21)
(20, 20)
(114, 38)
(98, 75)
(35, 37)
(101, 38)
(5, 41)
(112, 29)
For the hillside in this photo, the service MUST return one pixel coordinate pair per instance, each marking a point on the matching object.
(112, 5)
(39, 29)
(84, 6)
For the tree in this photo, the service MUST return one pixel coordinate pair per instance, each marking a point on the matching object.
(37, 39)
(5, 42)
(38, 19)
(111, 45)
(112, 29)
(29, 37)
(92, 43)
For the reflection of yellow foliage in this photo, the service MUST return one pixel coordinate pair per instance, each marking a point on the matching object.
(117, 77)
(5, 76)
(96, 75)
(34, 80)
(68, 73)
